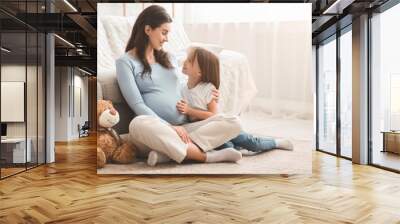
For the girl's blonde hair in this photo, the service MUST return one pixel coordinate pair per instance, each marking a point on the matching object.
(208, 64)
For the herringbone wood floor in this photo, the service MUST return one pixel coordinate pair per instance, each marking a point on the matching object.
(70, 191)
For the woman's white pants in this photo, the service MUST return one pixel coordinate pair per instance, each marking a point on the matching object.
(150, 133)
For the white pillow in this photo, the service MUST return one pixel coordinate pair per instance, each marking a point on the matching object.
(109, 86)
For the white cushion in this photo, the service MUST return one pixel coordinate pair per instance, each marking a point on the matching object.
(109, 86)
(99, 91)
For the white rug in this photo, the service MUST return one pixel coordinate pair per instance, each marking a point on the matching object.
(276, 161)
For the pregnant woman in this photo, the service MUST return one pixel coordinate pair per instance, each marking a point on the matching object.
(148, 79)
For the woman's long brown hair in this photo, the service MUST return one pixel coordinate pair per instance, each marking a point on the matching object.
(154, 16)
(208, 64)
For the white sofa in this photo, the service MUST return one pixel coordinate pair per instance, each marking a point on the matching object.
(237, 85)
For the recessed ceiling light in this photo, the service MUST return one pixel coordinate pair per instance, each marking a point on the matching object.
(5, 50)
(84, 71)
(338, 6)
(64, 40)
(70, 5)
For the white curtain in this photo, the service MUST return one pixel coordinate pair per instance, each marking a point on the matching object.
(276, 39)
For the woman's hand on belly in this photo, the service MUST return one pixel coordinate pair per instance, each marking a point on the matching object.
(182, 134)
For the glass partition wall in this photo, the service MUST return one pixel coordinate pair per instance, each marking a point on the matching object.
(22, 77)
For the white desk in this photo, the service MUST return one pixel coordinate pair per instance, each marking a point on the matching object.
(17, 146)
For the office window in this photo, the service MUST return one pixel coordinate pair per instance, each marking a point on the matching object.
(327, 96)
(395, 102)
(346, 93)
(385, 89)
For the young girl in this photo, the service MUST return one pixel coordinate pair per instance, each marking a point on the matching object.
(198, 103)
(202, 69)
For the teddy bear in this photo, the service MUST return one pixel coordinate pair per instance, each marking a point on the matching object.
(110, 147)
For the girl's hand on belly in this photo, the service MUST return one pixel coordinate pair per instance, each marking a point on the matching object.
(183, 107)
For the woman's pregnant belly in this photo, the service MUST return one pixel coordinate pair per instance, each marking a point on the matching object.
(164, 105)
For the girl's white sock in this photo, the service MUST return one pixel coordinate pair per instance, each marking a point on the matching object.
(223, 155)
(155, 157)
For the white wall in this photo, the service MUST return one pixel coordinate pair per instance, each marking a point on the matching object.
(14, 73)
(68, 82)
(61, 104)
(80, 84)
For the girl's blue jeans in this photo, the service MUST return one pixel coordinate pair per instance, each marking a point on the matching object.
(250, 142)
